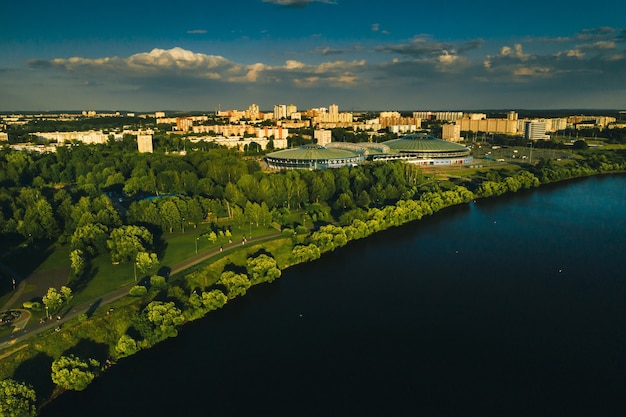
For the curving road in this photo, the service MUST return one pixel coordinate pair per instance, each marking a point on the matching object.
(21, 332)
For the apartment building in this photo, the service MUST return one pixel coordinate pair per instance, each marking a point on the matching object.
(535, 130)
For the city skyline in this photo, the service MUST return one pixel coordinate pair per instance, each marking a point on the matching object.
(192, 57)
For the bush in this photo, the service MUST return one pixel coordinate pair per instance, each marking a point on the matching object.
(157, 282)
(33, 305)
(138, 291)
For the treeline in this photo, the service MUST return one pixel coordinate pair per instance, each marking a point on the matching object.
(41, 194)
(21, 133)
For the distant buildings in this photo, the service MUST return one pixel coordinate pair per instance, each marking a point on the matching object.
(88, 137)
(251, 128)
(144, 143)
(323, 137)
(451, 132)
(535, 130)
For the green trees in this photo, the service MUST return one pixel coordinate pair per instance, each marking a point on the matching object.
(305, 253)
(55, 299)
(214, 299)
(263, 268)
(145, 261)
(164, 317)
(126, 346)
(235, 284)
(126, 241)
(17, 399)
(74, 373)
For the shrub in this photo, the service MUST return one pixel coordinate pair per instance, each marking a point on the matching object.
(138, 291)
(33, 305)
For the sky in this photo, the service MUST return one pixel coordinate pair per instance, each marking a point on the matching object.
(405, 55)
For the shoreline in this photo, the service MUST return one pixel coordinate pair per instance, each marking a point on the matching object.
(58, 391)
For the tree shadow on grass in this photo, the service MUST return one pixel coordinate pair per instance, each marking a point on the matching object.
(37, 372)
(237, 269)
(89, 349)
(26, 259)
(80, 283)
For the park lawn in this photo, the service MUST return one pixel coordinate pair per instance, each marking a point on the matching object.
(108, 277)
(209, 273)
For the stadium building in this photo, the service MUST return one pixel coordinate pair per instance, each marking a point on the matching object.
(423, 149)
(419, 148)
(313, 157)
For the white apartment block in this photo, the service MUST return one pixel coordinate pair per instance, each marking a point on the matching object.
(239, 142)
(144, 143)
(505, 126)
(280, 111)
(449, 116)
(535, 130)
(278, 133)
(90, 137)
(4, 136)
(226, 130)
(291, 109)
(451, 132)
(389, 114)
(345, 118)
(323, 137)
(401, 128)
(253, 112)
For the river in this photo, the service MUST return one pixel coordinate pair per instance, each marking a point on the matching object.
(514, 306)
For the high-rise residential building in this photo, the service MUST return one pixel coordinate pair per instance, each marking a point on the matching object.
(535, 130)
(494, 125)
(291, 109)
(253, 112)
(184, 124)
(322, 137)
(280, 111)
(333, 109)
(451, 132)
(449, 116)
(144, 143)
(389, 114)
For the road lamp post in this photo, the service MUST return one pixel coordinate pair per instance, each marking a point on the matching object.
(250, 234)
(197, 245)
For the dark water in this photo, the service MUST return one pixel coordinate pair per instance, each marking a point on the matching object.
(507, 307)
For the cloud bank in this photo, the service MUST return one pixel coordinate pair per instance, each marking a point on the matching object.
(579, 67)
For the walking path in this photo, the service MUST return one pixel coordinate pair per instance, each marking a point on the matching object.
(21, 333)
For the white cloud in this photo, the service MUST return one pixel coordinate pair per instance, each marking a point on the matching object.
(420, 63)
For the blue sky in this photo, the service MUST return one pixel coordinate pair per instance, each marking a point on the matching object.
(392, 55)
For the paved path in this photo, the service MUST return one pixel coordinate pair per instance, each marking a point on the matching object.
(22, 333)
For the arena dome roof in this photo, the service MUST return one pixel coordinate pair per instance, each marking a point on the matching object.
(313, 157)
(313, 152)
(424, 144)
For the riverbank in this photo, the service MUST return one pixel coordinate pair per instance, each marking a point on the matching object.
(499, 307)
(310, 247)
